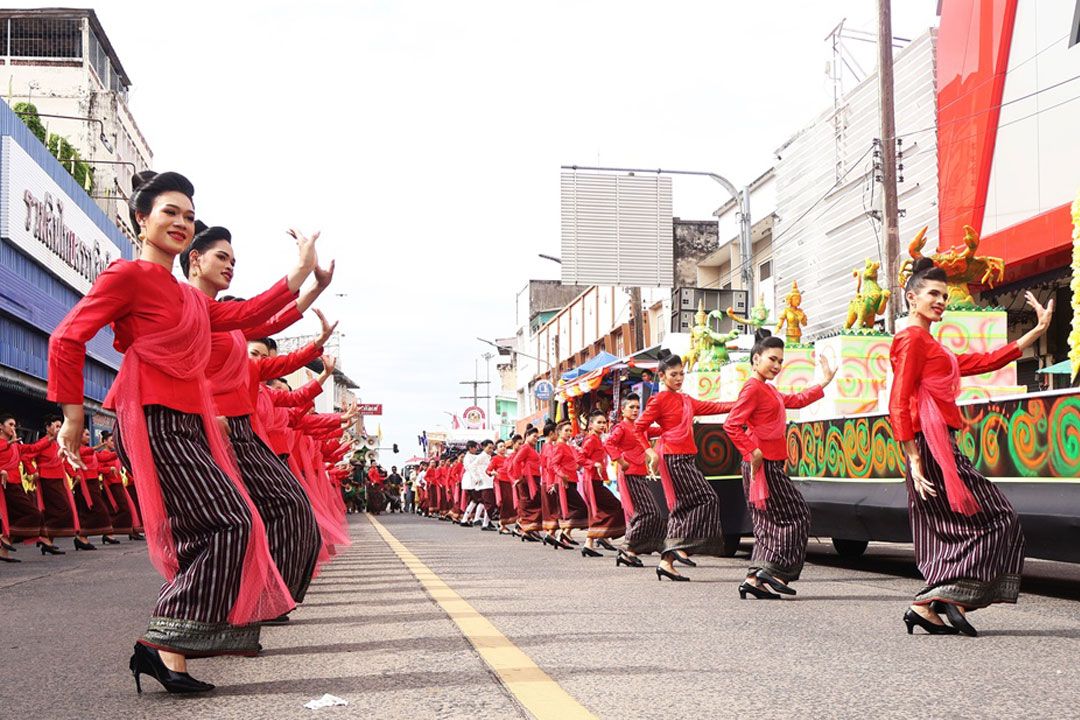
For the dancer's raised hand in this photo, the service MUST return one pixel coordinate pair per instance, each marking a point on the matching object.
(828, 372)
(327, 328)
(1043, 315)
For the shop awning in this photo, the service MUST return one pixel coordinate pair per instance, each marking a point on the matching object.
(601, 360)
(1062, 368)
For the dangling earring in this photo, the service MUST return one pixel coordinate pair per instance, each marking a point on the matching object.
(142, 233)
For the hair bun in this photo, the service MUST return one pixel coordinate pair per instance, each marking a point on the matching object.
(663, 354)
(760, 334)
(140, 179)
(200, 226)
(921, 265)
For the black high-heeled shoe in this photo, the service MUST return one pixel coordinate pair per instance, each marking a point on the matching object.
(5, 558)
(628, 560)
(757, 592)
(603, 542)
(912, 618)
(530, 537)
(661, 573)
(956, 618)
(587, 551)
(136, 536)
(106, 540)
(8, 546)
(80, 545)
(775, 584)
(684, 560)
(565, 539)
(47, 549)
(146, 661)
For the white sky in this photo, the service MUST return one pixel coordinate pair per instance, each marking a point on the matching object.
(424, 139)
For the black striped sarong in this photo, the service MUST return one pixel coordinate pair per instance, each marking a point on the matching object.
(646, 529)
(609, 520)
(529, 518)
(578, 519)
(59, 519)
(291, 528)
(781, 529)
(27, 522)
(973, 561)
(94, 519)
(211, 525)
(694, 522)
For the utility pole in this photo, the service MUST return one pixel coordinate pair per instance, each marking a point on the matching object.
(888, 160)
(637, 319)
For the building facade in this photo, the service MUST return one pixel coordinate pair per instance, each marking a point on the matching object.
(62, 62)
(54, 241)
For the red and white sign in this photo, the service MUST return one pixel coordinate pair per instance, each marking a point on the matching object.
(474, 418)
(370, 408)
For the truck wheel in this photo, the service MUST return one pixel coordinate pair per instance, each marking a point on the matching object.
(849, 548)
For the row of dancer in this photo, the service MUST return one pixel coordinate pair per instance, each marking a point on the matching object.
(44, 498)
(967, 538)
(235, 499)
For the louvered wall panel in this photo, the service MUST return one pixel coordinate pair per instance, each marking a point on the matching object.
(822, 248)
(616, 230)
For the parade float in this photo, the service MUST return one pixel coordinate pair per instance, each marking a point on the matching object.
(841, 450)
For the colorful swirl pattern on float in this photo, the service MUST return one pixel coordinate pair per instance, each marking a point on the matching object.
(1033, 437)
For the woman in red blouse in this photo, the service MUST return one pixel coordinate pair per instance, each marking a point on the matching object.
(607, 520)
(968, 543)
(550, 505)
(22, 518)
(693, 507)
(646, 524)
(565, 461)
(525, 473)
(757, 426)
(219, 577)
(235, 375)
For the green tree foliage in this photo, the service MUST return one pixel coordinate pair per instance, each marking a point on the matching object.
(59, 146)
(29, 114)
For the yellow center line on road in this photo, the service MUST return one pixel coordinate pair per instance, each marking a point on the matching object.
(532, 687)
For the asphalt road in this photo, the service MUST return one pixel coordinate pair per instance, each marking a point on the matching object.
(619, 642)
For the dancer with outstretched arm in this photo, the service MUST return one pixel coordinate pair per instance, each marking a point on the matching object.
(968, 543)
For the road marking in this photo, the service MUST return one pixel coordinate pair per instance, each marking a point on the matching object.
(532, 687)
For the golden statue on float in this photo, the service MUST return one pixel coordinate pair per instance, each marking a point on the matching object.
(870, 299)
(961, 266)
(708, 348)
(792, 315)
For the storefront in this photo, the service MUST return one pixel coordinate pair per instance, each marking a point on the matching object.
(54, 241)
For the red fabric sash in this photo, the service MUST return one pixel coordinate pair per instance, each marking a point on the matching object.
(624, 495)
(680, 431)
(5, 524)
(71, 503)
(935, 430)
(136, 521)
(759, 484)
(182, 352)
(85, 489)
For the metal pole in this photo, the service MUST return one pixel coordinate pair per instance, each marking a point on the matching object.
(637, 318)
(746, 244)
(888, 160)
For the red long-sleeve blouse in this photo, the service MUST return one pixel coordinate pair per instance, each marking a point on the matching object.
(9, 459)
(622, 444)
(915, 354)
(759, 405)
(666, 410)
(593, 453)
(45, 456)
(527, 462)
(273, 408)
(139, 297)
(565, 461)
(497, 468)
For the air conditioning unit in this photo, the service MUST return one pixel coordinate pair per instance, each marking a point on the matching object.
(685, 302)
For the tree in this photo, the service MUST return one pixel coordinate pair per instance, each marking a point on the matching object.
(59, 146)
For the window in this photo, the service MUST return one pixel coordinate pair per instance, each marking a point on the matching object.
(44, 37)
(765, 270)
(99, 60)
